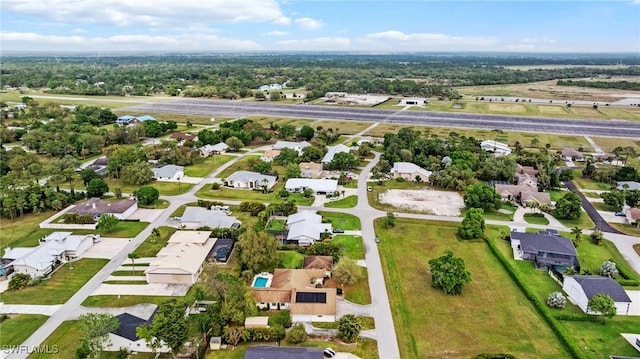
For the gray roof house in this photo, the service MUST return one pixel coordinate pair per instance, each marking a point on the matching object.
(272, 352)
(168, 173)
(581, 288)
(332, 151)
(218, 148)
(251, 180)
(196, 217)
(121, 209)
(546, 249)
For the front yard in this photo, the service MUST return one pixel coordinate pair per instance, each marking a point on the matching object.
(62, 285)
(16, 329)
(341, 220)
(352, 246)
(347, 202)
(151, 247)
(207, 165)
(491, 316)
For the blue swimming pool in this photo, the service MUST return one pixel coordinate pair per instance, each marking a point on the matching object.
(260, 282)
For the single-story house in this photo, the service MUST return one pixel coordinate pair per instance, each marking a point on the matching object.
(182, 260)
(125, 337)
(318, 186)
(99, 166)
(633, 216)
(333, 150)
(57, 247)
(250, 180)
(217, 149)
(129, 120)
(270, 87)
(197, 217)
(569, 154)
(168, 173)
(581, 288)
(371, 140)
(181, 136)
(296, 146)
(324, 263)
(256, 322)
(272, 352)
(306, 227)
(121, 209)
(410, 172)
(526, 176)
(300, 291)
(269, 155)
(413, 101)
(546, 249)
(522, 194)
(497, 148)
(310, 169)
(622, 185)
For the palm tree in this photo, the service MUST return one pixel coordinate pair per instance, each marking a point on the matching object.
(577, 235)
(133, 256)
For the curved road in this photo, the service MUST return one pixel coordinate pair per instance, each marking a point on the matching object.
(600, 222)
(229, 108)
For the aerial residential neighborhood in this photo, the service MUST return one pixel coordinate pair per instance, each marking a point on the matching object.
(310, 180)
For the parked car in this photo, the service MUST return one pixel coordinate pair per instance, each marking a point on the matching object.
(621, 214)
(338, 230)
(377, 239)
(329, 353)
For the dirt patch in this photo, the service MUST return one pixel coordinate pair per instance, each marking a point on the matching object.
(439, 203)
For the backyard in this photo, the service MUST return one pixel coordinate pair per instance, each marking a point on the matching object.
(253, 195)
(150, 247)
(62, 285)
(430, 323)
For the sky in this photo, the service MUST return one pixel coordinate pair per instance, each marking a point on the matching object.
(371, 26)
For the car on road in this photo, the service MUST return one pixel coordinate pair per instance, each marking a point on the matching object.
(377, 239)
(621, 214)
(338, 230)
(329, 353)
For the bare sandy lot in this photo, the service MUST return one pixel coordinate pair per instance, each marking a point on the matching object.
(439, 203)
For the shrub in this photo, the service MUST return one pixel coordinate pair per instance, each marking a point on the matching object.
(349, 327)
(282, 318)
(19, 281)
(556, 300)
(75, 218)
(254, 208)
(575, 317)
(215, 186)
(628, 282)
(608, 269)
(297, 334)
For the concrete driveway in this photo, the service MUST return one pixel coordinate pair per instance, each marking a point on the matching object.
(107, 248)
(146, 215)
(344, 307)
(28, 309)
(634, 308)
(142, 289)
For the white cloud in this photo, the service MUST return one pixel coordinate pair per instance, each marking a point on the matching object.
(282, 20)
(429, 39)
(538, 40)
(309, 23)
(316, 44)
(151, 12)
(276, 33)
(24, 41)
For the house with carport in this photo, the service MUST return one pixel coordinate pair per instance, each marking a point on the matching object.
(305, 228)
(581, 288)
(126, 337)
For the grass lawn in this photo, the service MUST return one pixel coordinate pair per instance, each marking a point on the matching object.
(160, 204)
(208, 165)
(556, 195)
(495, 215)
(277, 225)
(18, 328)
(352, 246)
(600, 341)
(584, 221)
(150, 249)
(63, 284)
(603, 207)
(627, 228)
(587, 183)
(347, 202)
(123, 300)
(535, 218)
(165, 188)
(67, 339)
(243, 164)
(491, 316)
(359, 293)
(341, 220)
(290, 259)
(251, 195)
(343, 127)
(21, 232)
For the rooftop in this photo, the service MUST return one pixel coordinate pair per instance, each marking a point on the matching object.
(545, 242)
(96, 205)
(594, 284)
(318, 262)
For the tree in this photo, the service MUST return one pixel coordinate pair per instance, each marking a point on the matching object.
(577, 235)
(95, 329)
(390, 220)
(261, 166)
(602, 304)
(307, 193)
(325, 249)
(169, 326)
(615, 199)
(307, 132)
(258, 251)
(234, 143)
(597, 236)
(87, 175)
(286, 131)
(107, 223)
(19, 281)
(297, 334)
(449, 273)
(233, 334)
(632, 197)
(556, 300)
(137, 173)
(608, 269)
(589, 169)
(147, 195)
(292, 171)
(234, 297)
(133, 256)
(568, 207)
(343, 161)
(472, 224)
(483, 196)
(275, 96)
(349, 327)
(347, 271)
(287, 156)
(97, 188)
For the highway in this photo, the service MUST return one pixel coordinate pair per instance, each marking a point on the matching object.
(230, 108)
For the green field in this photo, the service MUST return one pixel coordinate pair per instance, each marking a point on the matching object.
(241, 165)
(63, 284)
(359, 293)
(16, 329)
(347, 202)
(341, 220)
(491, 316)
(22, 232)
(352, 246)
(206, 166)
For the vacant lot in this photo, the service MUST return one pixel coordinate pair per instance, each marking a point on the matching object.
(440, 203)
(21, 231)
(63, 284)
(491, 316)
(352, 246)
(342, 127)
(18, 328)
(202, 169)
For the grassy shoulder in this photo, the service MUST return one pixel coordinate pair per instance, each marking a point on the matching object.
(62, 285)
(347, 202)
(491, 316)
(535, 218)
(341, 220)
(16, 329)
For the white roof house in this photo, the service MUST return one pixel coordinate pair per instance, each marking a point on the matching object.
(196, 217)
(410, 171)
(182, 260)
(497, 148)
(305, 227)
(57, 246)
(218, 148)
(333, 150)
(413, 101)
(297, 146)
(168, 173)
(251, 180)
(319, 186)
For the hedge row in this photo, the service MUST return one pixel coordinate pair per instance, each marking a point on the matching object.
(576, 317)
(541, 307)
(628, 282)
